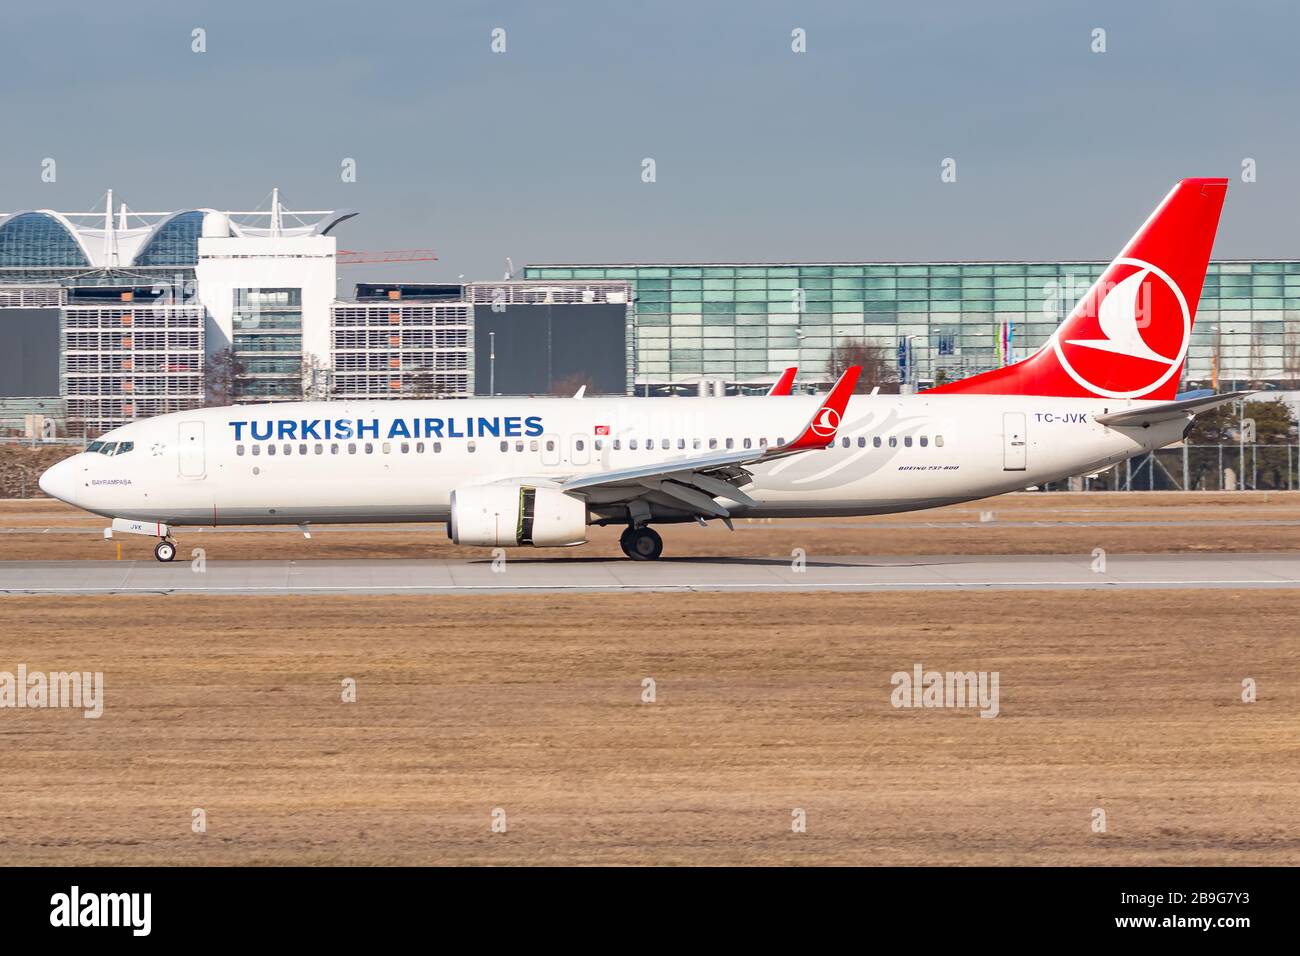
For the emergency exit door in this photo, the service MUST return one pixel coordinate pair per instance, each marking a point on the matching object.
(579, 450)
(1013, 441)
(190, 450)
(550, 450)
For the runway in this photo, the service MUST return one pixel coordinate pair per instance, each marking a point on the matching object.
(531, 574)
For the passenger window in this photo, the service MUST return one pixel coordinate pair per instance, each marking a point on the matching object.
(780, 442)
(862, 441)
(731, 443)
(550, 445)
(288, 449)
(257, 449)
(846, 441)
(600, 443)
(406, 448)
(762, 443)
(320, 449)
(747, 443)
(519, 446)
(270, 449)
(302, 449)
(695, 443)
(239, 450)
(665, 444)
(578, 445)
(618, 443)
(681, 443)
(370, 448)
(334, 448)
(352, 448)
(713, 443)
(419, 448)
(924, 441)
(631, 444)
(875, 442)
(470, 446)
(505, 446)
(386, 448)
(532, 445)
(907, 440)
(938, 441)
(893, 441)
(437, 447)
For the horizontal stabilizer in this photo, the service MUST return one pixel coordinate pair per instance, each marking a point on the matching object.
(1169, 411)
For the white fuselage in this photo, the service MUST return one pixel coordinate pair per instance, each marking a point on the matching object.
(268, 464)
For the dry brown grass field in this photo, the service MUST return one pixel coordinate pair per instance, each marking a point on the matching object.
(1127, 702)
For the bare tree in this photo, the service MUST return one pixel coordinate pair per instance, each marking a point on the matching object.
(420, 382)
(220, 372)
(876, 368)
(569, 384)
(317, 378)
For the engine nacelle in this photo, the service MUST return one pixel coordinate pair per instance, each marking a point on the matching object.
(507, 516)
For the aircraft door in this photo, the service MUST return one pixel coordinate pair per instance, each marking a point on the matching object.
(190, 452)
(1014, 445)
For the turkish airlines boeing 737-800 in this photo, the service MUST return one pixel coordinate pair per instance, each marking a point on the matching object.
(538, 472)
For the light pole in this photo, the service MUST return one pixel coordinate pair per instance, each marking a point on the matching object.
(492, 363)
(1214, 360)
(1241, 445)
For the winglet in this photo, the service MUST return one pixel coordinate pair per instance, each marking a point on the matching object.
(821, 428)
(785, 384)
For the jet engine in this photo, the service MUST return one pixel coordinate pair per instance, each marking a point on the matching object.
(507, 516)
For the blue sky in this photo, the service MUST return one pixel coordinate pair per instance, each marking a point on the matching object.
(761, 153)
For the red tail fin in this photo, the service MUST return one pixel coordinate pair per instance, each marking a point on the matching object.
(785, 384)
(1128, 336)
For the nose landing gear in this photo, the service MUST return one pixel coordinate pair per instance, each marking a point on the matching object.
(164, 550)
(642, 544)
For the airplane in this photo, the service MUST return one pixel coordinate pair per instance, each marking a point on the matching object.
(539, 472)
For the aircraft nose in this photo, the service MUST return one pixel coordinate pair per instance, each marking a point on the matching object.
(60, 480)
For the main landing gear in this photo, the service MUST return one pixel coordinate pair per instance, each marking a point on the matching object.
(642, 544)
(164, 550)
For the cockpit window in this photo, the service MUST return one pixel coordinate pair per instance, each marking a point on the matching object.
(110, 447)
(124, 447)
(94, 446)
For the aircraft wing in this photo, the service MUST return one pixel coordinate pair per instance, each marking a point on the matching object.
(692, 484)
(1169, 411)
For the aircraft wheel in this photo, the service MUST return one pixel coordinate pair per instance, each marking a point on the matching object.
(642, 544)
(164, 551)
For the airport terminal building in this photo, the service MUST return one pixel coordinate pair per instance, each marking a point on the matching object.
(115, 314)
(112, 315)
(741, 323)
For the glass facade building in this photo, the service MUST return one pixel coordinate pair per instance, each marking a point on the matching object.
(743, 322)
(267, 343)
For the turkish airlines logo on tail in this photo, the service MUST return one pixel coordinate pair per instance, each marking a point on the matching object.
(1137, 338)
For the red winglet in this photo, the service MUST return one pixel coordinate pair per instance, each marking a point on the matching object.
(821, 428)
(785, 383)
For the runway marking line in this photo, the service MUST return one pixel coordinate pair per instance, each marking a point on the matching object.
(844, 586)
